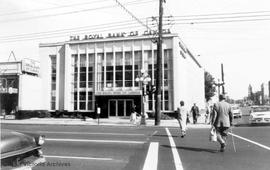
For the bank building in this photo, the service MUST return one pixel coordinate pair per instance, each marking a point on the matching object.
(115, 73)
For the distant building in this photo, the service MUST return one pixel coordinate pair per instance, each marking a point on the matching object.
(81, 75)
(265, 93)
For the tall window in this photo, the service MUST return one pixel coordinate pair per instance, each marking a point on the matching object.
(137, 64)
(53, 82)
(109, 70)
(119, 69)
(90, 101)
(100, 71)
(167, 72)
(91, 65)
(74, 80)
(128, 69)
(82, 70)
(82, 99)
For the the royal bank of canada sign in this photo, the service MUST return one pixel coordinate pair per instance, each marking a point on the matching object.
(118, 35)
(30, 66)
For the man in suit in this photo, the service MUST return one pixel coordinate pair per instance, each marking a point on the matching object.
(195, 112)
(222, 120)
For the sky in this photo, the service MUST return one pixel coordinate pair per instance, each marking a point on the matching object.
(237, 33)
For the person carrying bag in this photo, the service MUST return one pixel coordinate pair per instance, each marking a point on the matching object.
(213, 134)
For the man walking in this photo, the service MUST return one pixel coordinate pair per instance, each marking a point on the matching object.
(195, 112)
(222, 120)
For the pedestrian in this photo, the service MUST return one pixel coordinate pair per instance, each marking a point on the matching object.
(195, 112)
(134, 118)
(222, 120)
(208, 114)
(182, 114)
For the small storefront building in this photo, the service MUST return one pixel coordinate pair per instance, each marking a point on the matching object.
(20, 87)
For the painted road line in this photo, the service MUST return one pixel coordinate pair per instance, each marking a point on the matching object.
(176, 156)
(87, 133)
(248, 140)
(76, 157)
(96, 141)
(151, 160)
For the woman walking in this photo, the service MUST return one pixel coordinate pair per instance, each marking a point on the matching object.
(182, 118)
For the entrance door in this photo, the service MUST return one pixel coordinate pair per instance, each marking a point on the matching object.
(129, 105)
(112, 107)
(120, 107)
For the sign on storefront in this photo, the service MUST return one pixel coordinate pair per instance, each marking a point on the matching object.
(105, 93)
(30, 66)
(10, 68)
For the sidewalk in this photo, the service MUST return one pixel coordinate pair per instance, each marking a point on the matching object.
(106, 122)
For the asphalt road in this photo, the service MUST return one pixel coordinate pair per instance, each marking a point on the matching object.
(136, 148)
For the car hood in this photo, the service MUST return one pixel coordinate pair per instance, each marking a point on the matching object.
(12, 141)
(260, 114)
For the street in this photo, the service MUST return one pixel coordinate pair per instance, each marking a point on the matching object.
(116, 147)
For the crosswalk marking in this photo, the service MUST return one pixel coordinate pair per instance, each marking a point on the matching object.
(176, 156)
(151, 160)
(256, 143)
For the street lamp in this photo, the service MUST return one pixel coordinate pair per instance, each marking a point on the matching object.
(143, 79)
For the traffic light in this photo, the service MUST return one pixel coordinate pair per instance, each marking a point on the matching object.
(150, 89)
(153, 88)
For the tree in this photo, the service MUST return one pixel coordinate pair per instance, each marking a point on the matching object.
(209, 86)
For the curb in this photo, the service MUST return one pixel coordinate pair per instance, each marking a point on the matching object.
(76, 122)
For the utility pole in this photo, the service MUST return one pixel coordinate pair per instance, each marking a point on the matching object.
(159, 68)
(222, 79)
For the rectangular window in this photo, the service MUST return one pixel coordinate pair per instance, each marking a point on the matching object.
(74, 80)
(53, 81)
(137, 64)
(82, 99)
(119, 69)
(128, 69)
(83, 70)
(91, 65)
(109, 70)
(90, 104)
(100, 71)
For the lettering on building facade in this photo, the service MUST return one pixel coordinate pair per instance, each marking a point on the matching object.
(117, 35)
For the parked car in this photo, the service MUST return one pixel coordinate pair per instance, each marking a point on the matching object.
(20, 150)
(236, 111)
(260, 114)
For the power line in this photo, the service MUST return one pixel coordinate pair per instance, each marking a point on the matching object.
(52, 8)
(133, 16)
(226, 17)
(232, 13)
(103, 27)
(73, 12)
(112, 24)
(222, 21)
(93, 31)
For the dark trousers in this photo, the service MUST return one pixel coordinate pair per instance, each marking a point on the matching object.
(194, 118)
(222, 133)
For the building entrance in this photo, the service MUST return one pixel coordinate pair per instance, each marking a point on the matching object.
(120, 107)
